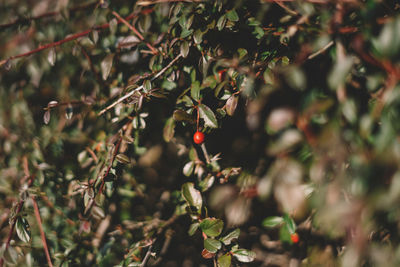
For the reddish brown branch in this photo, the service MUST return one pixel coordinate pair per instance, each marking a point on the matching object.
(42, 235)
(54, 44)
(132, 28)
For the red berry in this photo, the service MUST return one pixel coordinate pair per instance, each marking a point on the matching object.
(198, 138)
(295, 238)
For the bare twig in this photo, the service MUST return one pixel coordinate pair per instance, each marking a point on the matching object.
(322, 50)
(58, 43)
(282, 5)
(147, 256)
(140, 87)
(203, 147)
(42, 235)
(132, 28)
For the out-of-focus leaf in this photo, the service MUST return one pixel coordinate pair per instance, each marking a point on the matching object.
(69, 112)
(51, 56)
(272, 221)
(188, 168)
(232, 15)
(123, 158)
(46, 117)
(184, 49)
(231, 104)
(225, 260)
(193, 228)
(291, 225)
(169, 129)
(106, 66)
(244, 255)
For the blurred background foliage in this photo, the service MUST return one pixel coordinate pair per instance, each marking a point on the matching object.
(299, 102)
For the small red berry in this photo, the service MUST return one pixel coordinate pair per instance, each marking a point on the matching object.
(198, 138)
(295, 238)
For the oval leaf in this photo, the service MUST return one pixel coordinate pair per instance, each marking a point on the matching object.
(169, 130)
(244, 255)
(225, 260)
(184, 49)
(232, 15)
(231, 104)
(272, 221)
(46, 117)
(123, 158)
(290, 224)
(212, 227)
(22, 228)
(208, 116)
(106, 66)
(227, 240)
(207, 254)
(51, 56)
(192, 195)
(212, 245)
(188, 168)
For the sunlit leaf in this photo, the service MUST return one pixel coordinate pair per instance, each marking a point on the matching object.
(212, 227)
(106, 66)
(208, 116)
(244, 255)
(212, 245)
(192, 195)
(22, 229)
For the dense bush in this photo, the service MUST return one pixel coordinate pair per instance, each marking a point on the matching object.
(298, 103)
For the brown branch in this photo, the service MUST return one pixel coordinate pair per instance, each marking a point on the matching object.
(132, 28)
(45, 15)
(153, 2)
(42, 235)
(58, 43)
(140, 87)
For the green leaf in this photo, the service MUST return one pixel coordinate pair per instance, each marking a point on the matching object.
(193, 228)
(290, 224)
(185, 33)
(225, 260)
(192, 195)
(147, 85)
(212, 245)
(272, 221)
(188, 168)
(184, 49)
(195, 91)
(169, 130)
(212, 226)
(123, 158)
(208, 116)
(227, 240)
(198, 36)
(244, 255)
(232, 15)
(180, 115)
(106, 66)
(221, 22)
(22, 228)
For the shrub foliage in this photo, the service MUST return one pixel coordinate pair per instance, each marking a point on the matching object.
(298, 101)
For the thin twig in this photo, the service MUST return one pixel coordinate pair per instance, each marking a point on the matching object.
(147, 256)
(282, 5)
(132, 28)
(322, 50)
(203, 147)
(58, 43)
(121, 99)
(42, 235)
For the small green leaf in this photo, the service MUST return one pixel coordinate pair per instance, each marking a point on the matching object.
(184, 49)
(208, 116)
(290, 224)
(225, 260)
(272, 221)
(244, 255)
(188, 168)
(169, 130)
(198, 36)
(232, 15)
(212, 226)
(192, 195)
(185, 33)
(212, 245)
(123, 158)
(106, 66)
(221, 22)
(147, 85)
(193, 228)
(227, 240)
(195, 91)
(22, 228)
